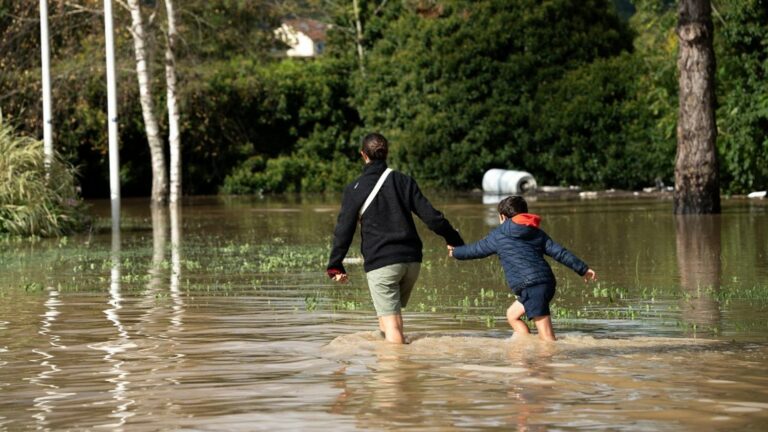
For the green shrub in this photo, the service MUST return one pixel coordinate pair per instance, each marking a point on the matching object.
(741, 45)
(290, 174)
(454, 90)
(31, 202)
(595, 128)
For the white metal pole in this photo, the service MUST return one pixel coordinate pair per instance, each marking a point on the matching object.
(114, 156)
(45, 54)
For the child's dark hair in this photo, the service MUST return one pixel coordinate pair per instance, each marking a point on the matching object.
(375, 146)
(513, 205)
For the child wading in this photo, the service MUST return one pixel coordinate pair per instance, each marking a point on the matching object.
(521, 247)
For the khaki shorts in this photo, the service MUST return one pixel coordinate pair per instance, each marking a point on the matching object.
(391, 286)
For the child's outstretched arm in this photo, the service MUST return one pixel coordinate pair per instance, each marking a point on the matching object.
(566, 258)
(479, 249)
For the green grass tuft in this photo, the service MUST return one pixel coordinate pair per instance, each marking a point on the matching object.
(33, 203)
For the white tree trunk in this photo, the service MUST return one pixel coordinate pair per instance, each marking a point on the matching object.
(359, 34)
(174, 140)
(159, 177)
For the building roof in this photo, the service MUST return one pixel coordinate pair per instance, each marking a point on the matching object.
(314, 29)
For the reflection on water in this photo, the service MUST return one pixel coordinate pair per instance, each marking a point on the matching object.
(155, 273)
(177, 318)
(44, 404)
(116, 372)
(698, 260)
(179, 323)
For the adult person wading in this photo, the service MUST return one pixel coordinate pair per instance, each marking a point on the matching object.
(391, 246)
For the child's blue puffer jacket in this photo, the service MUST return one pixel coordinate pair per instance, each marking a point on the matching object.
(521, 247)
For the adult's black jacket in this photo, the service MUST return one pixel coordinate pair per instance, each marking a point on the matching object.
(387, 228)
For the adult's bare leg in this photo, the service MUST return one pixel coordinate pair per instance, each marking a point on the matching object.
(544, 326)
(392, 327)
(513, 316)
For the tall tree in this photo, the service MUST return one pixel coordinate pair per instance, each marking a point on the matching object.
(174, 140)
(697, 185)
(159, 176)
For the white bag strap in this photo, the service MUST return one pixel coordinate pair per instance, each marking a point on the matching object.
(375, 191)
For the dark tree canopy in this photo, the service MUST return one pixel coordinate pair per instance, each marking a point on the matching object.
(566, 89)
(455, 88)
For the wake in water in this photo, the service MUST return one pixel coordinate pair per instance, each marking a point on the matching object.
(478, 346)
(525, 360)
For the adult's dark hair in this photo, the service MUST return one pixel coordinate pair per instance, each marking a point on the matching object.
(375, 146)
(513, 205)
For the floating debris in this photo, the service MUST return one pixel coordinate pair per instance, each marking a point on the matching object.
(588, 194)
(499, 181)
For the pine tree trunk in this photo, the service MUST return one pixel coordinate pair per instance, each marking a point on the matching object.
(174, 140)
(159, 177)
(697, 186)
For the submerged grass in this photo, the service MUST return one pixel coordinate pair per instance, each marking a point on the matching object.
(294, 273)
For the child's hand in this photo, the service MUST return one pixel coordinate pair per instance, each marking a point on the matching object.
(590, 275)
(450, 250)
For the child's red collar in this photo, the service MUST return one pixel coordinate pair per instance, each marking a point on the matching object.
(527, 219)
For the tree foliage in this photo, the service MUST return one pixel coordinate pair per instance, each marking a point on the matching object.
(460, 96)
(743, 94)
(296, 112)
(594, 128)
(565, 89)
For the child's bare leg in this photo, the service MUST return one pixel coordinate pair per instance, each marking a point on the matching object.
(513, 316)
(544, 326)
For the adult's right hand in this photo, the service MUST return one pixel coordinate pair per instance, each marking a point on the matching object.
(341, 278)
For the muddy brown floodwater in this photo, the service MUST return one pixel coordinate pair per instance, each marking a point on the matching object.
(218, 317)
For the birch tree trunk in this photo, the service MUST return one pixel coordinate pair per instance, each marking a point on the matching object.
(359, 34)
(174, 140)
(697, 186)
(159, 176)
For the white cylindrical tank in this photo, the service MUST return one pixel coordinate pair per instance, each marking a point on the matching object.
(499, 181)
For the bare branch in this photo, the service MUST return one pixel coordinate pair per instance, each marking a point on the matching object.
(197, 18)
(380, 7)
(717, 14)
(82, 8)
(348, 30)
